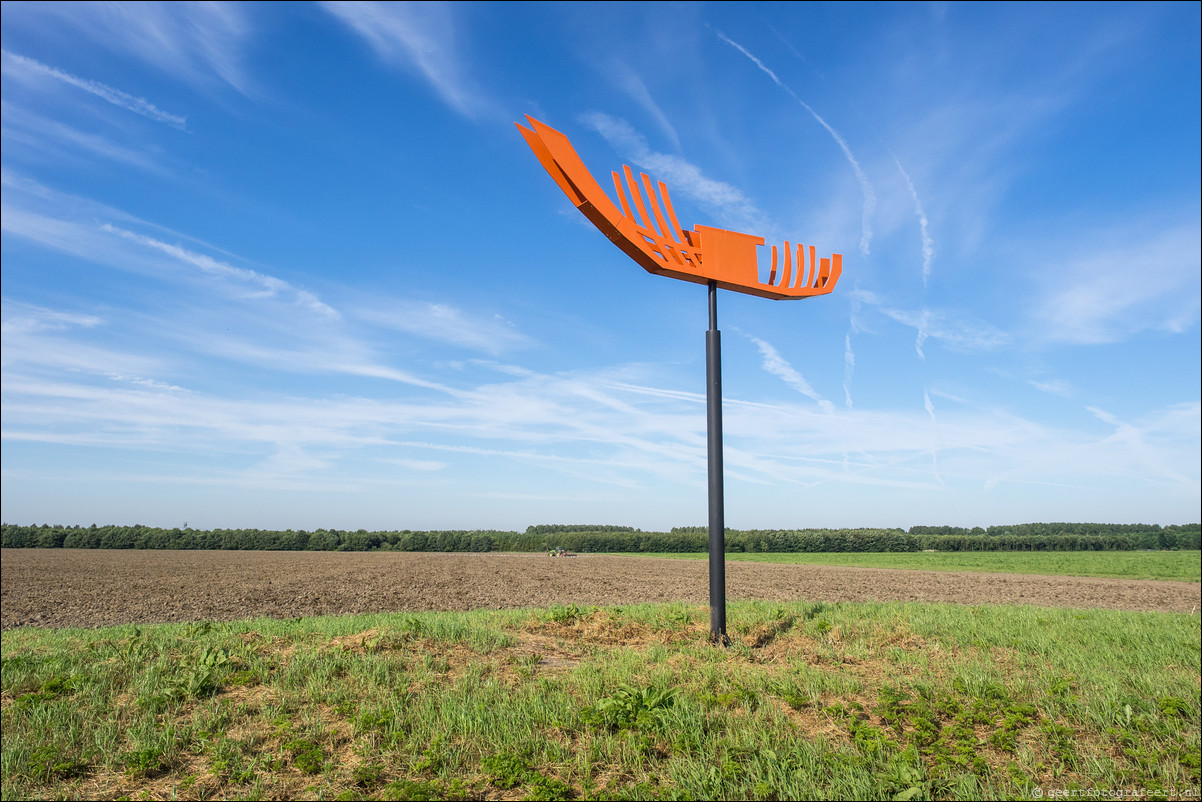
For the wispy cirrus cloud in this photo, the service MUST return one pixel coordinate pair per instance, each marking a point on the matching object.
(866, 188)
(728, 203)
(1130, 279)
(633, 85)
(778, 366)
(23, 318)
(849, 369)
(928, 244)
(445, 323)
(930, 410)
(612, 427)
(1139, 439)
(82, 229)
(27, 131)
(1058, 387)
(40, 339)
(261, 285)
(226, 312)
(195, 42)
(23, 68)
(957, 330)
(423, 37)
(627, 434)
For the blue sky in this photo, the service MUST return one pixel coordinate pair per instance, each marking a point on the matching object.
(291, 265)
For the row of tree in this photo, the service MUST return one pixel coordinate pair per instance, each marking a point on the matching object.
(585, 538)
(1045, 529)
(148, 537)
(1144, 536)
(559, 529)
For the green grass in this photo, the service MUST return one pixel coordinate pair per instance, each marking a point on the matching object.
(1183, 566)
(811, 701)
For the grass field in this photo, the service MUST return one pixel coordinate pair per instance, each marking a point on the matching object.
(812, 700)
(1184, 566)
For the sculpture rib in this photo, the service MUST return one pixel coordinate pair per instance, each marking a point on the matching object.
(702, 255)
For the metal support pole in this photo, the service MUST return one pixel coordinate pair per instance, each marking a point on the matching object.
(717, 528)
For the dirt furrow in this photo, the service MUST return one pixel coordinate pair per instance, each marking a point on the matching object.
(91, 588)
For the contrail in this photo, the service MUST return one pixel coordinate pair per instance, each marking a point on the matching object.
(865, 184)
(849, 356)
(926, 402)
(776, 364)
(928, 244)
(849, 366)
(924, 322)
(137, 105)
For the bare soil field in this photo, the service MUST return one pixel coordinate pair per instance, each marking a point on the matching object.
(93, 588)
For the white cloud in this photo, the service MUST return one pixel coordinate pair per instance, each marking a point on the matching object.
(849, 367)
(633, 86)
(61, 142)
(445, 323)
(605, 428)
(422, 36)
(1057, 387)
(22, 318)
(778, 366)
(42, 339)
(956, 330)
(264, 286)
(733, 208)
(119, 247)
(1133, 278)
(193, 41)
(262, 329)
(417, 464)
(1137, 439)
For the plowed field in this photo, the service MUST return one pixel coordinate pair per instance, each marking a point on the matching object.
(91, 588)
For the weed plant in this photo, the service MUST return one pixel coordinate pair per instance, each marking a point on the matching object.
(811, 701)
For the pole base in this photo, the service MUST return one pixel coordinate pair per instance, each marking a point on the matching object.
(720, 639)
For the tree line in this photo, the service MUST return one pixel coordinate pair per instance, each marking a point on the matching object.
(592, 538)
(1020, 537)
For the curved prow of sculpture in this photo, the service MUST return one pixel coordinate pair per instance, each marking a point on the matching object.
(645, 227)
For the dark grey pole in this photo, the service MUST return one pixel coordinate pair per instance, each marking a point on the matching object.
(713, 408)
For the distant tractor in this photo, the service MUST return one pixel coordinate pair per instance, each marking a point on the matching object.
(559, 551)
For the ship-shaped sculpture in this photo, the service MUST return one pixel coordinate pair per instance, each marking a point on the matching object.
(659, 245)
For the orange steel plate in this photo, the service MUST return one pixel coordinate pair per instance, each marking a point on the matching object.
(646, 229)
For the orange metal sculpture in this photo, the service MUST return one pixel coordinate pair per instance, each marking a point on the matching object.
(703, 255)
